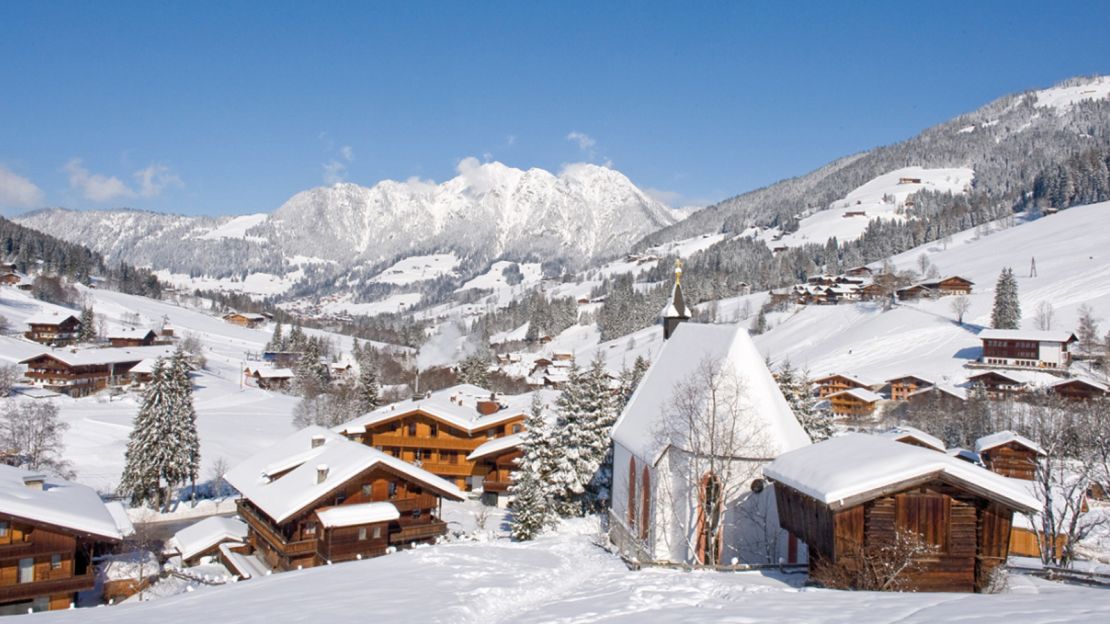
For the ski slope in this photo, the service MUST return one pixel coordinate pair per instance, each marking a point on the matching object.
(922, 337)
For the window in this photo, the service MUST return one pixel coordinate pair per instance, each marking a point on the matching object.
(27, 570)
(418, 454)
(416, 513)
(377, 532)
(366, 489)
(490, 434)
(310, 528)
(412, 429)
(393, 489)
(362, 534)
(434, 430)
(518, 428)
(3, 529)
(55, 562)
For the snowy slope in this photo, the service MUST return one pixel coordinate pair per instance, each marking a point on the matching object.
(921, 337)
(1062, 98)
(418, 269)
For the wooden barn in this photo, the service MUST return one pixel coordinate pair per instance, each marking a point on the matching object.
(316, 497)
(902, 387)
(132, 337)
(917, 291)
(1009, 454)
(1079, 389)
(203, 539)
(951, 285)
(53, 328)
(50, 531)
(851, 496)
(441, 430)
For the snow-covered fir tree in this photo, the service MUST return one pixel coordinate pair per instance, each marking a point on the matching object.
(586, 414)
(368, 388)
(474, 370)
(759, 325)
(798, 391)
(1006, 313)
(187, 444)
(630, 378)
(312, 376)
(88, 325)
(277, 341)
(532, 490)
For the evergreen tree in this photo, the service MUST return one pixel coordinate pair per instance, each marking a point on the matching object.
(474, 370)
(533, 494)
(586, 417)
(797, 389)
(1007, 308)
(368, 389)
(297, 340)
(312, 375)
(759, 325)
(88, 325)
(186, 440)
(630, 378)
(277, 341)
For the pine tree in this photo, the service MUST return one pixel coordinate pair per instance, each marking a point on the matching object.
(759, 325)
(586, 417)
(797, 389)
(630, 378)
(533, 494)
(474, 370)
(88, 325)
(312, 376)
(277, 341)
(368, 389)
(1006, 313)
(186, 440)
(297, 339)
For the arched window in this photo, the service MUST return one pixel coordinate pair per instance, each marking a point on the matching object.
(631, 512)
(645, 503)
(710, 520)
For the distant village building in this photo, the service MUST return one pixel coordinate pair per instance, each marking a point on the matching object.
(245, 319)
(997, 385)
(50, 531)
(441, 430)
(1026, 348)
(857, 492)
(82, 373)
(53, 328)
(837, 382)
(909, 180)
(204, 538)
(132, 337)
(902, 387)
(315, 498)
(854, 403)
(1079, 389)
(655, 515)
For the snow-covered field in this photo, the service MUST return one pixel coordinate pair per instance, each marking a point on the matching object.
(1063, 98)
(565, 577)
(237, 228)
(417, 269)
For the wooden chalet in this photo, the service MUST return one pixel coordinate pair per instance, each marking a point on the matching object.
(837, 382)
(11, 279)
(81, 373)
(204, 538)
(439, 431)
(912, 435)
(1009, 454)
(902, 387)
(854, 403)
(50, 531)
(132, 337)
(497, 459)
(860, 271)
(996, 385)
(53, 328)
(245, 319)
(1026, 348)
(916, 291)
(316, 498)
(871, 292)
(850, 496)
(271, 377)
(949, 395)
(951, 285)
(1079, 389)
(909, 180)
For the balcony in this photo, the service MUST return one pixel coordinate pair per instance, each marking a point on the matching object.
(454, 470)
(27, 591)
(271, 534)
(419, 532)
(447, 444)
(424, 501)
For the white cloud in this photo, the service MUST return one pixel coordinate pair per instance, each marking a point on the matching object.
(347, 152)
(585, 142)
(101, 188)
(17, 191)
(334, 172)
(478, 178)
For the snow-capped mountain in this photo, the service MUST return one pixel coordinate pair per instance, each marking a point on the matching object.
(488, 211)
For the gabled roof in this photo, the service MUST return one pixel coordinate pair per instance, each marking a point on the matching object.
(46, 317)
(92, 357)
(906, 432)
(269, 372)
(456, 406)
(1002, 438)
(356, 514)
(955, 393)
(917, 377)
(851, 378)
(855, 468)
(496, 446)
(250, 316)
(1027, 334)
(678, 359)
(1091, 383)
(131, 333)
(63, 504)
(862, 394)
(199, 537)
(1011, 377)
(281, 480)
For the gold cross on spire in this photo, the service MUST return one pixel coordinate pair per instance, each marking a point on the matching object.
(678, 271)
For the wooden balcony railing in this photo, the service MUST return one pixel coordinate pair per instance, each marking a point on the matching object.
(496, 486)
(423, 501)
(26, 591)
(417, 532)
(454, 470)
(40, 543)
(271, 534)
(425, 442)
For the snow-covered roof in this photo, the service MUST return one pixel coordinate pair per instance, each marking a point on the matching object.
(59, 503)
(917, 377)
(132, 333)
(144, 367)
(199, 537)
(1026, 334)
(680, 357)
(251, 316)
(269, 372)
(356, 514)
(47, 317)
(902, 432)
(1083, 380)
(282, 479)
(852, 378)
(1001, 438)
(91, 357)
(1011, 376)
(496, 446)
(862, 394)
(952, 391)
(457, 406)
(120, 517)
(851, 469)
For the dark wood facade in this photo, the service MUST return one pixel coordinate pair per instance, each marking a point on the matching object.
(134, 340)
(902, 387)
(831, 384)
(42, 567)
(1078, 390)
(64, 331)
(1012, 459)
(996, 386)
(78, 380)
(968, 535)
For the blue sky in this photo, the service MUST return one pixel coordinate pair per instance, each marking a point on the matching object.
(230, 108)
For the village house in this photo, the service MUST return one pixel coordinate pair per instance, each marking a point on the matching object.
(860, 271)
(914, 292)
(1026, 348)
(50, 531)
(912, 435)
(1015, 456)
(854, 403)
(53, 328)
(851, 495)
(661, 470)
(203, 539)
(497, 459)
(838, 382)
(1079, 389)
(951, 285)
(245, 319)
(997, 385)
(132, 337)
(946, 394)
(902, 387)
(10, 279)
(81, 373)
(270, 377)
(316, 497)
(440, 430)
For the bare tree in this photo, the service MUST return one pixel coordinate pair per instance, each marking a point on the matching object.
(885, 565)
(960, 305)
(31, 436)
(716, 446)
(923, 264)
(1045, 316)
(9, 375)
(220, 486)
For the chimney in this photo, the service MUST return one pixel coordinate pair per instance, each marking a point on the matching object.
(321, 473)
(34, 481)
(487, 407)
(317, 441)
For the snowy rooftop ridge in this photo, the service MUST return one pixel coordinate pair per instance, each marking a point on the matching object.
(862, 394)
(496, 445)
(60, 503)
(49, 317)
(902, 432)
(89, 357)
(855, 468)
(362, 513)
(1026, 334)
(996, 440)
(285, 478)
(457, 405)
(199, 537)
